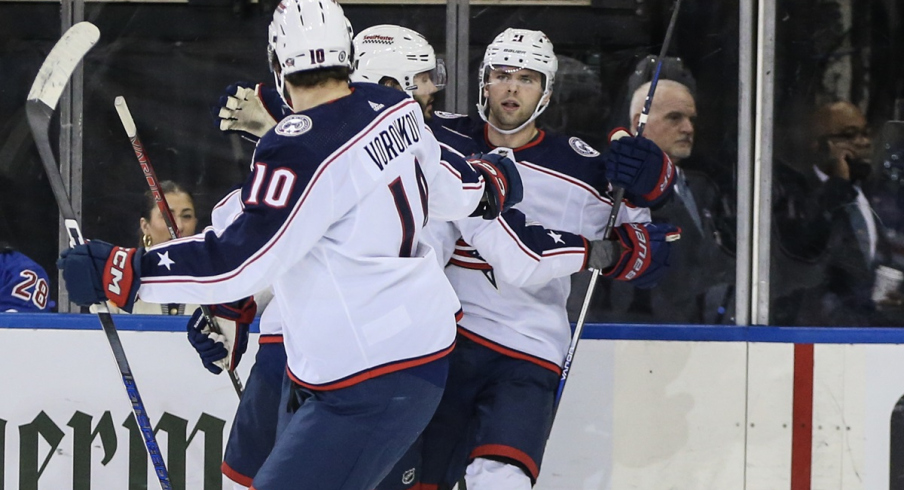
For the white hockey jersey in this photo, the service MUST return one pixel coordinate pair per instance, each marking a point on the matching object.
(521, 251)
(332, 215)
(564, 189)
(223, 214)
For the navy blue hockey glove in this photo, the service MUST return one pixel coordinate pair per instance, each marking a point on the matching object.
(97, 271)
(645, 253)
(223, 348)
(640, 167)
(249, 110)
(502, 184)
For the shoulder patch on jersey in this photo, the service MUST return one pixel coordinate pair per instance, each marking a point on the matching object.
(294, 125)
(582, 148)
(448, 115)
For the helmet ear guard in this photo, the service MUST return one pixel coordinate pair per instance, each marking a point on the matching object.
(519, 49)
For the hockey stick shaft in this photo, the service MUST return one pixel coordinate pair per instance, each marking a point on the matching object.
(128, 123)
(575, 337)
(613, 215)
(42, 99)
(644, 113)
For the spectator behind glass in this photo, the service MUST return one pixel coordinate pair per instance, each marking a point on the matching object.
(153, 231)
(153, 226)
(699, 287)
(700, 284)
(823, 219)
(24, 285)
(842, 142)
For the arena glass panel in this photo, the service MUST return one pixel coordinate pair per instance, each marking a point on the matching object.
(28, 212)
(836, 169)
(603, 50)
(752, 372)
(171, 62)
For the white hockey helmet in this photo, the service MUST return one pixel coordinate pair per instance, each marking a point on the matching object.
(308, 35)
(519, 49)
(398, 53)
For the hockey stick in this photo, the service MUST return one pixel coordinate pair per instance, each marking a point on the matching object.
(613, 215)
(42, 100)
(129, 125)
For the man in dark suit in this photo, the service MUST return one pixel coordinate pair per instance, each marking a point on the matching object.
(832, 226)
(700, 284)
(699, 288)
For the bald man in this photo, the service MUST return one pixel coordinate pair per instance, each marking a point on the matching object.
(671, 120)
(842, 147)
(842, 139)
(699, 288)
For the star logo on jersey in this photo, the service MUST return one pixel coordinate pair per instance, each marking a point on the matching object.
(294, 125)
(556, 237)
(376, 107)
(165, 261)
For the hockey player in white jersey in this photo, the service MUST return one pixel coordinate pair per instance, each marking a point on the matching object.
(513, 337)
(387, 54)
(520, 253)
(254, 426)
(331, 217)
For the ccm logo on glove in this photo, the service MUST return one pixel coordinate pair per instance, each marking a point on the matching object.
(117, 270)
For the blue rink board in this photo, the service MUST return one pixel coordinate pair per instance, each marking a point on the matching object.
(695, 333)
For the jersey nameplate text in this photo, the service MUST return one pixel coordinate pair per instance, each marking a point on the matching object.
(391, 142)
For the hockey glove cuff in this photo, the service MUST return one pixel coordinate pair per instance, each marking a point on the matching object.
(602, 254)
(222, 347)
(645, 256)
(502, 184)
(640, 167)
(249, 111)
(98, 271)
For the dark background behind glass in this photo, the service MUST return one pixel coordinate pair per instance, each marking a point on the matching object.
(172, 61)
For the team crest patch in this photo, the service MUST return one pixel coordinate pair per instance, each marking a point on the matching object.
(408, 476)
(294, 125)
(582, 148)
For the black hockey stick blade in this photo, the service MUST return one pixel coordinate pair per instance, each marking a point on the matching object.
(45, 92)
